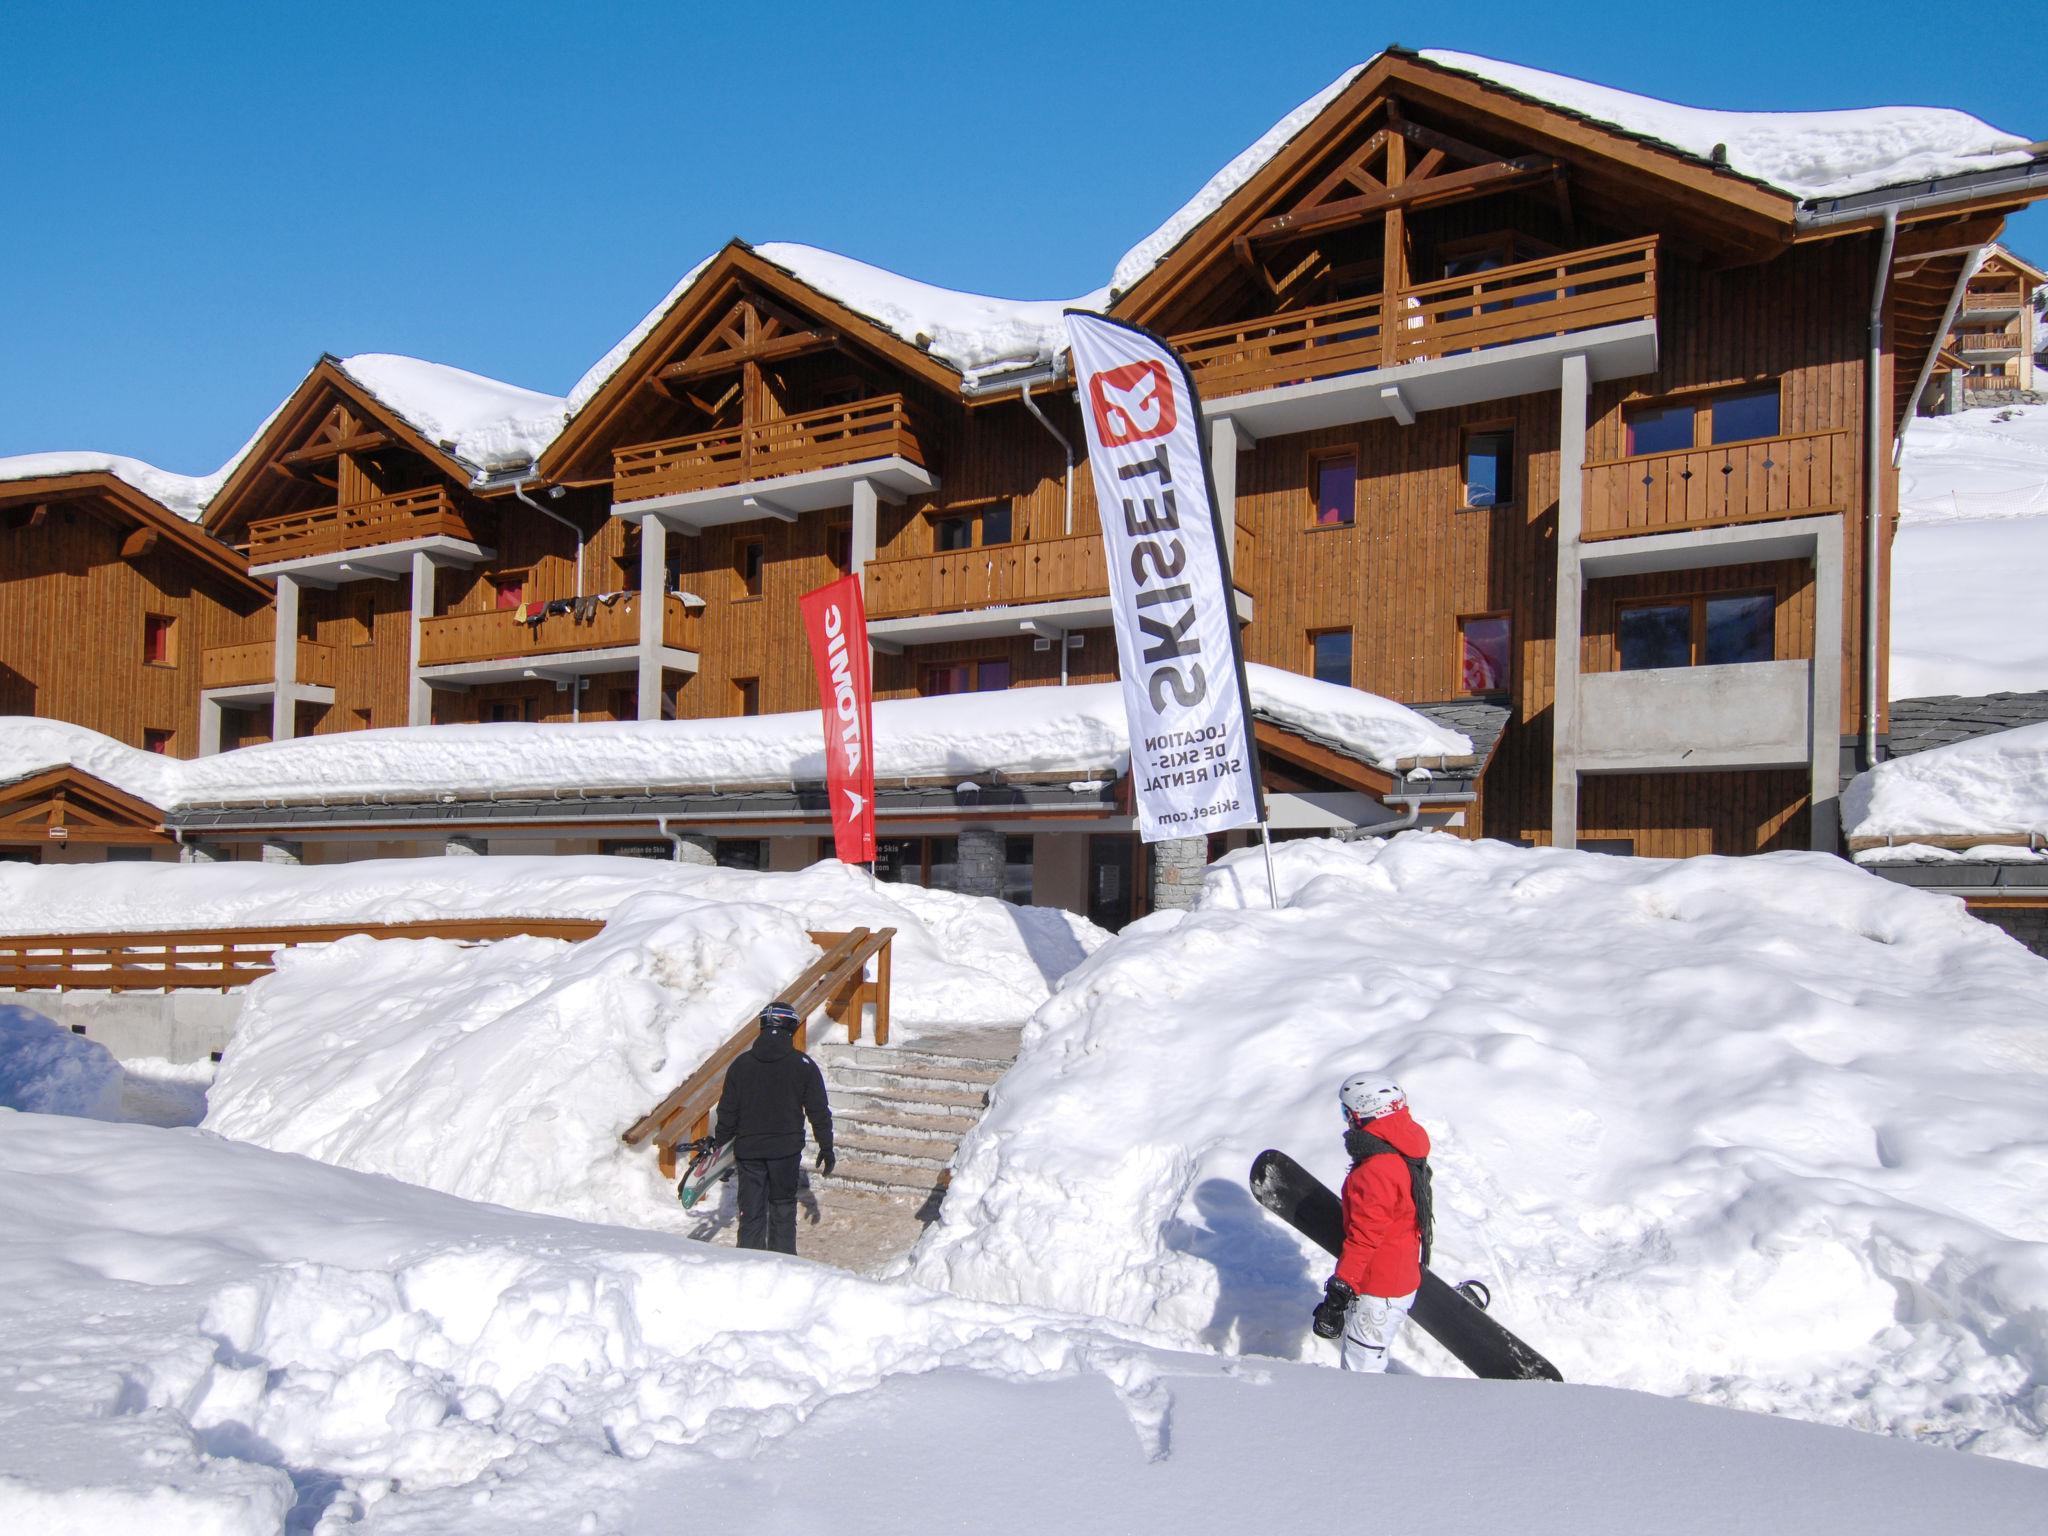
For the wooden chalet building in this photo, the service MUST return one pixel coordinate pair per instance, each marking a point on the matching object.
(1568, 436)
(1995, 333)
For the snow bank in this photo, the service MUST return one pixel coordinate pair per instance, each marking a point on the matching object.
(958, 960)
(1971, 552)
(207, 1337)
(1988, 784)
(1079, 730)
(1766, 1132)
(483, 422)
(45, 1069)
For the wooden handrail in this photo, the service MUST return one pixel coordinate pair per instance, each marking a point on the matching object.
(358, 525)
(836, 981)
(830, 438)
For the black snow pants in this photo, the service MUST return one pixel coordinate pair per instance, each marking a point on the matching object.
(768, 1202)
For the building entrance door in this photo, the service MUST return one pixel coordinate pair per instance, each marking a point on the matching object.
(1112, 878)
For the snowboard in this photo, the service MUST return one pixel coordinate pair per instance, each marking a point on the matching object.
(1446, 1313)
(708, 1164)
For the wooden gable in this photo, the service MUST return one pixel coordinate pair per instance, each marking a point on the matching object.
(68, 805)
(711, 359)
(332, 443)
(150, 528)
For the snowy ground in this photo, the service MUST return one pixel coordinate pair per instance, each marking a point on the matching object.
(1766, 1132)
(1971, 558)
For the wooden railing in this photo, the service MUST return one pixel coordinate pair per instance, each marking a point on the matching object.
(360, 525)
(1804, 472)
(1576, 291)
(215, 959)
(836, 982)
(499, 636)
(829, 439)
(240, 666)
(961, 580)
(1986, 341)
(2012, 300)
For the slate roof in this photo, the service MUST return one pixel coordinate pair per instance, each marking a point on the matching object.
(1918, 724)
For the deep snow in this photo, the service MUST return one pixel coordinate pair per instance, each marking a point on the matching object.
(1767, 1132)
(1988, 784)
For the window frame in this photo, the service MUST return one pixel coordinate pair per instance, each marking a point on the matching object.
(1507, 687)
(166, 625)
(160, 741)
(510, 577)
(974, 666)
(754, 587)
(1477, 429)
(748, 691)
(1701, 403)
(1696, 647)
(1351, 654)
(1316, 461)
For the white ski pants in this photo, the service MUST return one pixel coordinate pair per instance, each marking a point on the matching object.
(1369, 1329)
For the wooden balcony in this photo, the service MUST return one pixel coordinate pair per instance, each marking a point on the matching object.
(834, 438)
(1531, 300)
(361, 525)
(2008, 302)
(1770, 477)
(255, 665)
(1987, 343)
(499, 636)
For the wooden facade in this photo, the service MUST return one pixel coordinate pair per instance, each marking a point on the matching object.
(1997, 330)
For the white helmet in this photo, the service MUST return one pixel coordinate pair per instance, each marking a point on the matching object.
(1369, 1095)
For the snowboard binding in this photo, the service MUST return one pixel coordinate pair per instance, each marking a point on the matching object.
(1475, 1291)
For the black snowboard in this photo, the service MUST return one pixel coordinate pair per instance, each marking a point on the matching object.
(1305, 1203)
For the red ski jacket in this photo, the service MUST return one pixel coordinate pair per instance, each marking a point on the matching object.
(1382, 1239)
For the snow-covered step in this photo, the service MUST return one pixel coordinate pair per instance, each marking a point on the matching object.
(907, 1151)
(916, 1059)
(918, 1101)
(887, 1178)
(889, 1124)
(910, 1080)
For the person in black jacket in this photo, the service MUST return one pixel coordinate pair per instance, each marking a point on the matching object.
(768, 1094)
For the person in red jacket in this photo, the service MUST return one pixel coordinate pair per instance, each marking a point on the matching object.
(1387, 1222)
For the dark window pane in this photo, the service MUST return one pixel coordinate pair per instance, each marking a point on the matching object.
(899, 860)
(839, 547)
(1489, 469)
(994, 677)
(953, 533)
(741, 852)
(1660, 429)
(1740, 628)
(953, 677)
(1017, 871)
(1486, 655)
(995, 525)
(1333, 657)
(1738, 417)
(944, 873)
(1657, 635)
(1336, 492)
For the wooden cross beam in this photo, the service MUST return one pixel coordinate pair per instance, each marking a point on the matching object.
(770, 350)
(334, 448)
(1497, 176)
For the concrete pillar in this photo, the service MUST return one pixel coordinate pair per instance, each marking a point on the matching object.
(209, 726)
(419, 708)
(697, 848)
(1177, 866)
(981, 862)
(653, 601)
(284, 676)
(277, 850)
(867, 517)
(1224, 442)
(1824, 821)
(464, 846)
(202, 853)
(1564, 712)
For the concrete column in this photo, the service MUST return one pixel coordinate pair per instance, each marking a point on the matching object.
(653, 600)
(279, 850)
(284, 676)
(465, 847)
(1564, 710)
(1224, 442)
(202, 853)
(696, 848)
(981, 862)
(209, 726)
(1177, 866)
(1824, 821)
(867, 516)
(420, 698)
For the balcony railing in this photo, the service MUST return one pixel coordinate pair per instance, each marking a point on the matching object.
(360, 525)
(501, 636)
(829, 439)
(243, 666)
(1557, 295)
(1769, 477)
(2007, 301)
(1977, 343)
(999, 575)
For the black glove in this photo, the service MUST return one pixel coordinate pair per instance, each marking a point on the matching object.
(826, 1161)
(1329, 1314)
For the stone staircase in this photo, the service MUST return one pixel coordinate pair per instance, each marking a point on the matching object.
(899, 1111)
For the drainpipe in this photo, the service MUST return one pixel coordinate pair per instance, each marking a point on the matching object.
(1059, 437)
(1873, 483)
(675, 839)
(519, 490)
(1408, 818)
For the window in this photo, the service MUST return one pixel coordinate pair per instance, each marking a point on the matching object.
(839, 547)
(965, 530)
(1330, 654)
(510, 587)
(159, 640)
(625, 704)
(1724, 629)
(362, 615)
(1484, 653)
(950, 533)
(1017, 852)
(1736, 416)
(502, 711)
(1489, 468)
(949, 677)
(747, 559)
(1620, 847)
(740, 852)
(157, 741)
(1336, 481)
(995, 525)
(749, 689)
(672, 574)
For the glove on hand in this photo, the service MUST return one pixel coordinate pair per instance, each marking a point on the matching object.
(826, 1161)
(1329, 1315)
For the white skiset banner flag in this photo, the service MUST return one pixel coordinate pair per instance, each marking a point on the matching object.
(1194, 768)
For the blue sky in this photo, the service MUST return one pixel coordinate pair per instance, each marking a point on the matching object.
(203, 198)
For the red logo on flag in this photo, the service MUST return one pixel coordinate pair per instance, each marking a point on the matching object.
(836, 620)
(1132, 403)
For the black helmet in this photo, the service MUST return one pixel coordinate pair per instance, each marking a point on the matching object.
(779, 1016)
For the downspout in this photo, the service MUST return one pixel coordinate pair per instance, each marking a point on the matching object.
(675, 839)
(519, 490)
(1059, 437)
(1874, 428)
(1402, 823)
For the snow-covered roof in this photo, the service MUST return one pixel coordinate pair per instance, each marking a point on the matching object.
(1078, 730)
(1807, 155)
(184, 496)
(483, 422)
(967, 331)
(1987, 786)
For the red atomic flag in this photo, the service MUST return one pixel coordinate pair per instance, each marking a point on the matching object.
(837, 622)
